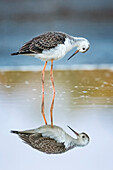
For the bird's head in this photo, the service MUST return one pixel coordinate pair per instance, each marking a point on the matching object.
(82, 46)
(82, 138)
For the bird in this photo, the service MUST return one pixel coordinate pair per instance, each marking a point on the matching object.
(52, 140)
(52, 46)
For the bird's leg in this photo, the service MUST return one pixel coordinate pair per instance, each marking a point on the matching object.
(51, 109)
(43, 77)
(51, 75)
(42, 109)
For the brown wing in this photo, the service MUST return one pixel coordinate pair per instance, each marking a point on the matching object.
(43, 42)
(43, 144)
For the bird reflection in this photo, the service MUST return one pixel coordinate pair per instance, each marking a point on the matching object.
(51, 109)
(42, 109)
(52, 139)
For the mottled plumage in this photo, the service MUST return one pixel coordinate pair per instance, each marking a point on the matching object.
(43, 144)
(53, 46)
(51, 140)
(42, 42)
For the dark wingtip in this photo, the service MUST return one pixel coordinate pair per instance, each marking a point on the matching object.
(16, 53)
(14, 131)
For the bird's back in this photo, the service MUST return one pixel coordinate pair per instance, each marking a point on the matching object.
(50, 140)
(43, 144)
(42, 43)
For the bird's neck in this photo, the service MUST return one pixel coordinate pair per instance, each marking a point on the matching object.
(75, 41)
(72, 42)
(75, 143)
(79, 142)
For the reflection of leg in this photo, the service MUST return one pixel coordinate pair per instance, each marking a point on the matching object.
(51, 109)
(43, 77)
(51, 75)
(43, 109)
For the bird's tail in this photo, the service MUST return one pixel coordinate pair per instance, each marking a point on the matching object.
(22, 132)
(22, 52)
(16, 53)
(14, 131)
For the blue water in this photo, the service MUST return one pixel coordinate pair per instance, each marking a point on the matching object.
(99, 35)
(20, 21)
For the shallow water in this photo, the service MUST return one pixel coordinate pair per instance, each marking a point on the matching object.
(84, 101)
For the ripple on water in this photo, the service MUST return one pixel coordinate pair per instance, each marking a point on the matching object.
(34, 89)
(63, 92)
(105, 82)
(102, 85)
(84, 91)
(8, 86)
(82, 96)
(76, 87)
(33, 98)
(26, 82)
(96, 88)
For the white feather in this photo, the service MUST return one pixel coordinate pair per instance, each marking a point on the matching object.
(56, 133)
(58, 52)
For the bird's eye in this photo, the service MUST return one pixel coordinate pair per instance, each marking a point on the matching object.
(83, 136)
(83, 48)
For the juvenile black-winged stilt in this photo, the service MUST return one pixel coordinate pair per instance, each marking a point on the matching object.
(53, 46)
(52, 140)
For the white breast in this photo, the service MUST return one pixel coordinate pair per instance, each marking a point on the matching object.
(57, 134)
(56, 53)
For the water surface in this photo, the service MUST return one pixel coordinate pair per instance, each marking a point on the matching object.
(84, 101)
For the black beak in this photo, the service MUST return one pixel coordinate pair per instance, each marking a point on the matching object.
(73, 130)
(73, 54)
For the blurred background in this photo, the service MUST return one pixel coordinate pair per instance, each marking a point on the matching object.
(22, 20)
(84, 93)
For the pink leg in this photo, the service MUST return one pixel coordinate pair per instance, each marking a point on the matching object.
(43, 77)
(51, 109)
(43, 109)
(51, 75)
